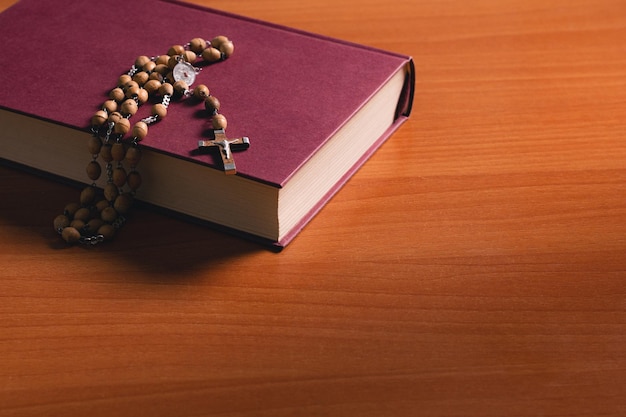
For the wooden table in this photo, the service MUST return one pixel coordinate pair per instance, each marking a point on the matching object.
(475, 266)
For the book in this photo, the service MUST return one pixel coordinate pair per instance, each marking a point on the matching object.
(314, 108)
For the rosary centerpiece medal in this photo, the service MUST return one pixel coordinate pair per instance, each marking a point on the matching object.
(184, 71)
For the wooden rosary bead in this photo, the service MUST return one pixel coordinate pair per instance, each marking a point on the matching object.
(123, 203)
(94, 170)
(197, 45)
(108, 214)
(172, 62)
(129, 84)
(123, 80)
(180, 87)
(162, 60)
(99, 118)
(201, 92)
(156, 76)
(162, 68)
(218, 40)
(77, 224)
(61, 221)
(70, 209)
(141, 77)
(119, 176)
(166, 89)
(159, 110)
(117, 94)
(83, 214)
(129, 107)
(152, 86)
(219, 121)
(176, 50)
(141, 61)
(115, 117)
(190, 56)
(132, 91)
(102, 204)
(212, 104)
(87, 195)
(149, 66)
(109, 106)
(169, 78)
(107, 231)
(211, 54)
(94, 145)
(118, 151)
(134, 180)
(105, 153)
(70, 235)
(111, 191)
(142, 95)
(122, 126)
(140, 131)
(93, 225)
(227, 49)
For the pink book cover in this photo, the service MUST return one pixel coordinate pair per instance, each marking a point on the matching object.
(288, 91)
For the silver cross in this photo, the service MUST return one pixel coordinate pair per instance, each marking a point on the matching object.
(225, 146)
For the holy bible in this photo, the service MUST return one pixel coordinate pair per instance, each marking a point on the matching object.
(311, 108)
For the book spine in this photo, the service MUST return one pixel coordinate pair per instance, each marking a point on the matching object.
(405, 104)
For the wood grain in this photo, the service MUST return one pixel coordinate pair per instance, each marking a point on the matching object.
(475, 266)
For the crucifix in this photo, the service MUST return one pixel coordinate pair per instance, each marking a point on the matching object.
(226, 147)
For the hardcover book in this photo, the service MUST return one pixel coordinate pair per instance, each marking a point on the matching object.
(314, 108)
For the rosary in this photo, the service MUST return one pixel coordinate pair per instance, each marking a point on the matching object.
(99, 214)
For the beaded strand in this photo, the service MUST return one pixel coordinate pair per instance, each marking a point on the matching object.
(100, 213)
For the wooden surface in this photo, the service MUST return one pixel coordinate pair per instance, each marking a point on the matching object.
(475, 266)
